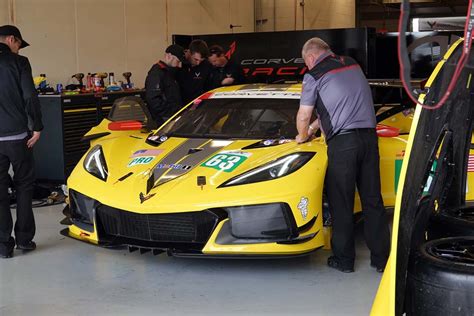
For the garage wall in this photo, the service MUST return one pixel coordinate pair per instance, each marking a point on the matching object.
(4, 11)
(286, 15)
(69, 36)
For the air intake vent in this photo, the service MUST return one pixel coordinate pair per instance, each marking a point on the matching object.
(194, 227)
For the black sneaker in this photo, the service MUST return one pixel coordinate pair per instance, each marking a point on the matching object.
(379, 269)
(335, 263)
(6, 255)
(28, 246)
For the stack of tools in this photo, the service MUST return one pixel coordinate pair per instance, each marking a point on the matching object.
(94, 82)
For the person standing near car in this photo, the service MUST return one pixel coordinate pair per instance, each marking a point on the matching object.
(19, 103)
(225, 72)
(337, 88)
(162, 92)
(193, 78)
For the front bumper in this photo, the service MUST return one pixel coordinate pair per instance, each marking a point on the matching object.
(253, 230)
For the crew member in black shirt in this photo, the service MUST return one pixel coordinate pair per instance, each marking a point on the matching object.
(193, 77)
(225, 72)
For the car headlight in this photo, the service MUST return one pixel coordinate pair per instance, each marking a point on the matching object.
(281, 167)
(95, 163)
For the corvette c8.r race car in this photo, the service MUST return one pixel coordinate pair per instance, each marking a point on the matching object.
(222, 177)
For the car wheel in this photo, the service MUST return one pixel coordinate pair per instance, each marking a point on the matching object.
(451, 223)
(440, 279)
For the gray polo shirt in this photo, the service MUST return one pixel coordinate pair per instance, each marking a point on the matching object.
(341, 95)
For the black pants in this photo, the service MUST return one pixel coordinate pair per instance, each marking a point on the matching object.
(353, 158)
(17, 153)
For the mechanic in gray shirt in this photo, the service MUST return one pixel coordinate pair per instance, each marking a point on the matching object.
(337, 88)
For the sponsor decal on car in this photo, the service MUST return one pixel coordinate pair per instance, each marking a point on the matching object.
(470, 163)
(398, 167)
(176, 166)
(141, 161)
(146, 152)
(303, 207)
(226, 161)
(431, 177)
(257, 94)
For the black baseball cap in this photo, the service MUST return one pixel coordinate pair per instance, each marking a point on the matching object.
(13, 30)
(177, 51)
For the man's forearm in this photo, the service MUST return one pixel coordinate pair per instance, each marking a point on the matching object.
(302, 123)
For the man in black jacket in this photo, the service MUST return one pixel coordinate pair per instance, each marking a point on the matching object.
(19, 104)
(162, 93)
(193, 78)
(225, 72)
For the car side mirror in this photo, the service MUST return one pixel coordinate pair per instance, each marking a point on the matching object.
(387, 131)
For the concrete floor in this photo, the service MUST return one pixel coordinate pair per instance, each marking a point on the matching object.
(68, 277)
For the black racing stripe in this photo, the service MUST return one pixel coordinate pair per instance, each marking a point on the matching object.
(177, 154)
(191, 158)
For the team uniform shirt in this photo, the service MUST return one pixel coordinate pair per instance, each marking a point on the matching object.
(230, 70)
(339, 90)
(194, 80)
(162, 93)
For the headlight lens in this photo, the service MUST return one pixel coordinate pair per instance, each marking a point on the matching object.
(273, 170)
(95, 163)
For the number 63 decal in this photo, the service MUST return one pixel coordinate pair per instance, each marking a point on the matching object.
(226, 161)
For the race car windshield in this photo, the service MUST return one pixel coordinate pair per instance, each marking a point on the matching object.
(236, 118)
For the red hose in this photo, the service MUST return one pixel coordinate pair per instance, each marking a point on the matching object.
(457, 72)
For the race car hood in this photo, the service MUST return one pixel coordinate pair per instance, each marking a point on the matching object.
(145, 177)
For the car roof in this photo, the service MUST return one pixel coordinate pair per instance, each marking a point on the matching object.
(255, 90)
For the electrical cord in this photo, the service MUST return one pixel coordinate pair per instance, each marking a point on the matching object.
(404, 61)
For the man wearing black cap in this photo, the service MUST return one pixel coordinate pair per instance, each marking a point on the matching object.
(162, 91)
(19, 104)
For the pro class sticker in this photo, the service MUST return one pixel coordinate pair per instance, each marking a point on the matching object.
(226, 161)
(140, 161)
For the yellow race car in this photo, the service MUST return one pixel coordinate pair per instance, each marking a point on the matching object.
(223, 177)
(431, 266)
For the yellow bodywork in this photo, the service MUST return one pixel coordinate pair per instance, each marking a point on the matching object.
(184, 195)
(384, 303)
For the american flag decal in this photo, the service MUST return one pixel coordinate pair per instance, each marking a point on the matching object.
(470, 164)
